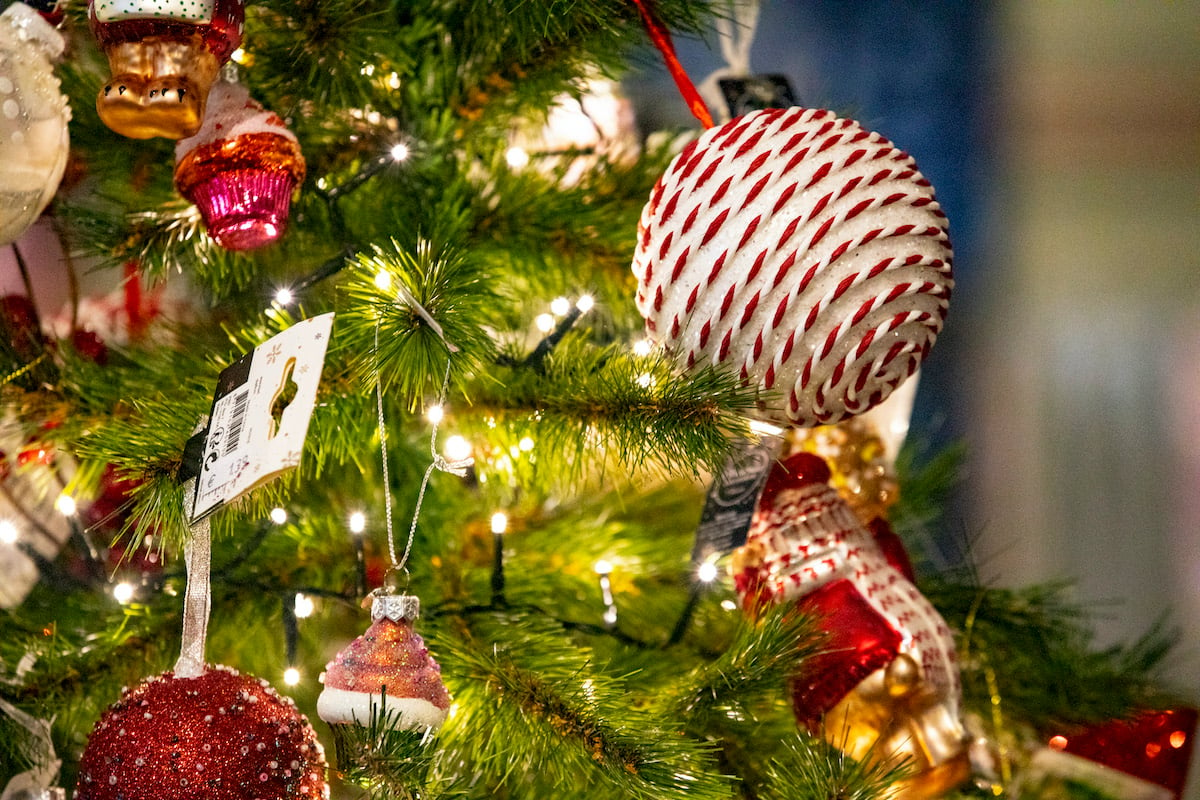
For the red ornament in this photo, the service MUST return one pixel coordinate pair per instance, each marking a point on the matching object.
(19, 320)
(886, 682)
(240, 170)
(221, 736)
(387, 668)
(1155, 746)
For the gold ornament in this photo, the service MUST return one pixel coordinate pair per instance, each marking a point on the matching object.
(159, 86)
(897, 714)
(862, 472)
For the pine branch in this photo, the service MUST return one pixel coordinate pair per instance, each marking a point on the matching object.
(810, 769)
(1032, 651)
(753, 668)
(533, 712)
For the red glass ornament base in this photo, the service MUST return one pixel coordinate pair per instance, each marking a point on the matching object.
(245, 209)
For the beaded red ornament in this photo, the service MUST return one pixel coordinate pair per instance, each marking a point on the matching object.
(219, 736)
(1155, 746)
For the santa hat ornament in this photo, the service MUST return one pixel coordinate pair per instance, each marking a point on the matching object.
(387, 674)
(886, 683)
(801, 250)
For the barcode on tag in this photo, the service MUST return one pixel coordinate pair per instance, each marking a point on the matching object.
(237, 419)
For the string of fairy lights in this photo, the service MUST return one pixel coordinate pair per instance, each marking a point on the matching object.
(552, 324)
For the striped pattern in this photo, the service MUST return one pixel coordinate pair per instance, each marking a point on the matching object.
(809, 537)
(802, 250)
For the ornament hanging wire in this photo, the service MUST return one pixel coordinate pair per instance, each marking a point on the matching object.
(437, 462)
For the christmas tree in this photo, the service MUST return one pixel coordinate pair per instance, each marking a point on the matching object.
(507, 422)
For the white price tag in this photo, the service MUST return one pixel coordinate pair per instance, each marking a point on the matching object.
(260, 413)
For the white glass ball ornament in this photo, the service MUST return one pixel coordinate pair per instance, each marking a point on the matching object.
(33, 119)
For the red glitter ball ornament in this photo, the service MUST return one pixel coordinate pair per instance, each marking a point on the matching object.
(1155, 746)
(220, 736)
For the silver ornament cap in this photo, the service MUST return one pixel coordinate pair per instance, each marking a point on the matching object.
(395, 607)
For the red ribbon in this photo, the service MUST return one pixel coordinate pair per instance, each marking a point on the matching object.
(662, 40)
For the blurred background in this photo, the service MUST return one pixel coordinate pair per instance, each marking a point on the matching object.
(1064, 142)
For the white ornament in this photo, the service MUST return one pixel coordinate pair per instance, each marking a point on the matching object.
(33, 119)
(801, 250)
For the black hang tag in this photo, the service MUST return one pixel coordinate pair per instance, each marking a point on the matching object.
(756, 92)
(733, 496)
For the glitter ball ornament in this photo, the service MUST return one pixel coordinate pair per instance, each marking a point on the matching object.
(803, 251)
(387, 669)
(886, 683)
(220, 736)
(1155, 746)
(33, 119)
(164, 56)
(240, 169)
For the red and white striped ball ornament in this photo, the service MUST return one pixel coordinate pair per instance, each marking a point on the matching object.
(803, 250)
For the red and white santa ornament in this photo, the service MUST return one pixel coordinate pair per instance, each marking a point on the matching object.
(886, 681)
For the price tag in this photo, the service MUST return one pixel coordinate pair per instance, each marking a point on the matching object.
(260, 414)
(733, 496)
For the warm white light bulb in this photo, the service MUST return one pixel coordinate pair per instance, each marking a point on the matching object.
(499, 522)
(544, 322)
(278, 515)
(585, 303)
(123, 592)
(707, 572)
(291, 676)
(765, 428)
(65, 505)
(400, 151)
(8, 531)
(729, 605)
(526, 444)
(393, 82)
(642, 347)
(517, 157)
(358, 522)
(284, 296)
(238, 56)
(645, 380)
(383, 280)
(456, 448)
(603, 567)
(304, 606)
(435, 414)
(560, 306)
